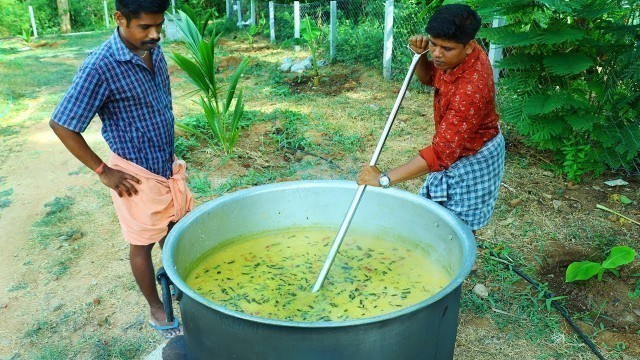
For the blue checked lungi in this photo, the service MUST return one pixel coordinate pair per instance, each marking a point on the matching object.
(469, 188)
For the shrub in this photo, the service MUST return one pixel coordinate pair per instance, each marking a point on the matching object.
(570, 79)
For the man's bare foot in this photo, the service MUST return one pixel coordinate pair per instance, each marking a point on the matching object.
(167, 329)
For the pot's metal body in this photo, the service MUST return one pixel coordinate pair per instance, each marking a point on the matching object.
(426, 330)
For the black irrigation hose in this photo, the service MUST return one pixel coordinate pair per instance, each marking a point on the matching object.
(555, 304)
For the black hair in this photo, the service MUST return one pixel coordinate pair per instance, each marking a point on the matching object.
(454, 22)
(131, 9)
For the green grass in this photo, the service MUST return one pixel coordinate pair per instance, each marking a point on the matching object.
(95, 345)
(200, 185)
(80, 170)
(58, 206)
(516, 307)
(5, 197)
(7, 131)
(52, 352)
(252, 178)
(52, 232)
(183, 146)
(298, 131)
(18, 286)
(25, 74)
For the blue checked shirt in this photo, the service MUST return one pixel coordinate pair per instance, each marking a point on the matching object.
(133, 103)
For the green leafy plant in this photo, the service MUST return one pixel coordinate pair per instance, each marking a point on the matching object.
(201, 23)
(585, 270)
(26, 36)
(570, 79)
(222, 113)
(310, 33)
(254, 30)
(636, 289)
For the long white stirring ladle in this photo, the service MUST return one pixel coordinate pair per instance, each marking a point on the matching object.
(376, 154)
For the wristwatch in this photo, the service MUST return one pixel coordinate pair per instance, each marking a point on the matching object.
(384, 180)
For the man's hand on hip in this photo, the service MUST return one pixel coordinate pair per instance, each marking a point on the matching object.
(121, 182)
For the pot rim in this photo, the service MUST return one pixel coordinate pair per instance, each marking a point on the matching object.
(469, 248)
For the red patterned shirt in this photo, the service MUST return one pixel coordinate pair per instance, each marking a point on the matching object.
(464, 111)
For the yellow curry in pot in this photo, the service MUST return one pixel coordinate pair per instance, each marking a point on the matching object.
(270, 275)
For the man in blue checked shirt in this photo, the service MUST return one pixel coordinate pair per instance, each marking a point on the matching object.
(126, 83)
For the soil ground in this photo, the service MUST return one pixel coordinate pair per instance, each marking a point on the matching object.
(65, 286)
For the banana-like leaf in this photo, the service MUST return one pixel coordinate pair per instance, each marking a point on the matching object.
(619, 255)
(294, 41)
(583, 270)
(310, 31)
(567, 63)
(233, 83)
(193, 70)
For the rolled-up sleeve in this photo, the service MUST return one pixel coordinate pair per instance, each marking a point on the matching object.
(82, 100)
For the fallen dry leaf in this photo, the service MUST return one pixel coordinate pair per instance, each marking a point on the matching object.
(481, 291)
(506, 222)
(515, 202)
(572, 186)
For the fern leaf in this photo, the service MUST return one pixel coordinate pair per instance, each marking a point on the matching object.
(544, 103)
(567, 64)
(559, 35)
(582, 122)
(557, 5)
(517, 61)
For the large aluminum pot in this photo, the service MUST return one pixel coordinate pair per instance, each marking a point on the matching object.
(426, 330)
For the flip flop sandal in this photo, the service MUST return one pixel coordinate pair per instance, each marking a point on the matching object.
(161, 329)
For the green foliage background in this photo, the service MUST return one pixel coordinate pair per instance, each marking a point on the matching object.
(570, 75)
(570, 79)
(86, 15)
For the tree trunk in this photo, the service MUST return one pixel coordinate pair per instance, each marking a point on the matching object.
(63, 14)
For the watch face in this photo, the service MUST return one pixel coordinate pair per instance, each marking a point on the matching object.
(384, 181)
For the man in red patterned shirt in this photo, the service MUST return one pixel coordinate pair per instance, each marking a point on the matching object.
(465, 160)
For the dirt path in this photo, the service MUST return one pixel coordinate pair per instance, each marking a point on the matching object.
(37, 172)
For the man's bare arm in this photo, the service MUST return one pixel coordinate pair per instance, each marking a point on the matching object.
(119, 181)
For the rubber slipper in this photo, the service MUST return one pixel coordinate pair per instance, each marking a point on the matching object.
(163, 328)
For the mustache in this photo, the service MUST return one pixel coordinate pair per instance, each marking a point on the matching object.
(151, 42)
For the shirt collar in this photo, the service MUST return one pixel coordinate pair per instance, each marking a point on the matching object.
(121, 51)
(468, 62)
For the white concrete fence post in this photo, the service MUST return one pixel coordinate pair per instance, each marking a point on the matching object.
(495, 51)
(388, 39)
(253, 12)
(334, 30)
(296, 19)
(272, 22)
(173, 7)
(106, 13)
(296, 22)
(228, 8)
(240, 24)
(33, 22)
